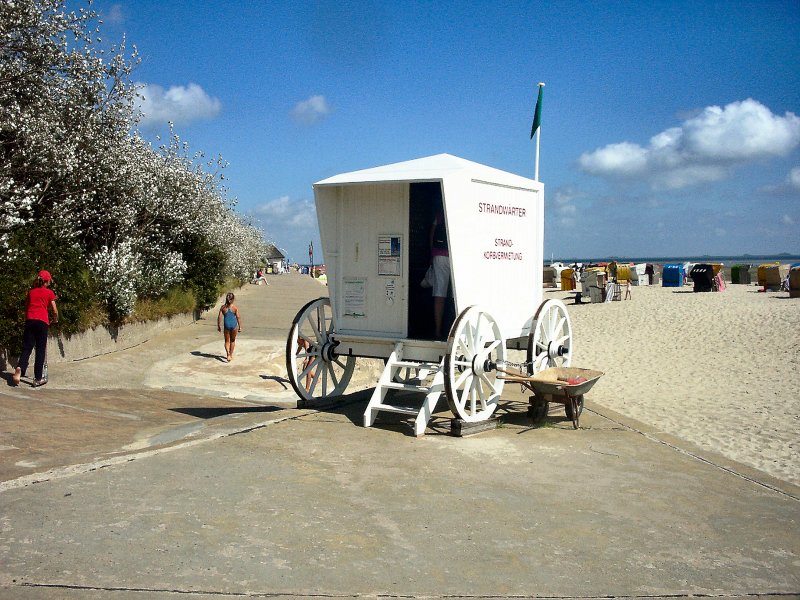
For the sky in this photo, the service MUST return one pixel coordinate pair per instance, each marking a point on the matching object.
(669, 128)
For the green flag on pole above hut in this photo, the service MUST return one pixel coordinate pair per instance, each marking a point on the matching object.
(537, 114)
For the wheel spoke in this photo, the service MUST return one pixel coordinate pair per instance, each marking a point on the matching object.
(485, 379)
(492, 346)
(464, 395)
(311, 366)
(305, 338)
(560, 325)
(460, 381)
(314, 380)
(333, 374)
(483, 395)
(560, 341)
(544, 334)
(469, 338)
(472, 397)
(314, 329)
(553, 314)
(324, 379)
(464, 347)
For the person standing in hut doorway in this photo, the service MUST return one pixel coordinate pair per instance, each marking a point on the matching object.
(441, 267)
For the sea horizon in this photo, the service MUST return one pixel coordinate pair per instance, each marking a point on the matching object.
(752, 259)
(784, 257)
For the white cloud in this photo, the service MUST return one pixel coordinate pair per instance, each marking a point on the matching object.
(312, 110)
(285, 216)
(179, 104)
(567, 194)
(706, 147)
(565, 198)
(622, 159)
(115, 15)
(793, 178)
(789, 186)
(567, 209)
(787, 220)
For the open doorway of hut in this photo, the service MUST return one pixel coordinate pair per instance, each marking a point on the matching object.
(425, 201)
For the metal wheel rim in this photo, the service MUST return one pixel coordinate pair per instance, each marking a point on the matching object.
(473, 391)
(551, 329)
(330, 373)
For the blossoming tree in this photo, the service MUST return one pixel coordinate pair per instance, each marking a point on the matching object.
(136, 219)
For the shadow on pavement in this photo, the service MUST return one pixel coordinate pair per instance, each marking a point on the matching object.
(282, 380)
(221, 411)
(218, 357)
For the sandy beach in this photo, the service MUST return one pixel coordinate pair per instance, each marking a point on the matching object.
(721, 370)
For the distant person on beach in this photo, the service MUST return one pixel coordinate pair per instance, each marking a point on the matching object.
(41, 300)
(440, 256)
(229, 317)
(612, 271)
(260, 277)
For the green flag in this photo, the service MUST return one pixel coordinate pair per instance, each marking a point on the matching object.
(537, 115)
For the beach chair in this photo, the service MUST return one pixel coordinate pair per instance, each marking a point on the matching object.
(702, 275)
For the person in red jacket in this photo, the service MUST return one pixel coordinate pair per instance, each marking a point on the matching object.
(41, 300)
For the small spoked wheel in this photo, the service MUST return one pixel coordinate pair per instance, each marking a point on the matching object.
(315, 370)
(550, 338)
(474, 347)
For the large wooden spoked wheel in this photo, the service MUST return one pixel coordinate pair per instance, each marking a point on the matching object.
(550, 338)
(474, 347)
(315, 370)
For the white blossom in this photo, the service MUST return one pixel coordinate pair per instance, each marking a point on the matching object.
(70, 153)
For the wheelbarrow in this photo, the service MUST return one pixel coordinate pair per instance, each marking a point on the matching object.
(565, 385)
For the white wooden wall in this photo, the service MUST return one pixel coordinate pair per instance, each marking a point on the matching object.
(351, 220)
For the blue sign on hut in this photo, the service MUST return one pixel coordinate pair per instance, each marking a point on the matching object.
(673, 275)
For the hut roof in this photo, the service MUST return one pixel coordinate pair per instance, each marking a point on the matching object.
(273, 253)
(429, 168)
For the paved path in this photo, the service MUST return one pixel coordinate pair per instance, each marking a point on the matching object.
(161, 472)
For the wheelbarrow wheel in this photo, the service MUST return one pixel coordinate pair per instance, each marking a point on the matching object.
(315, 370)
(568, 408)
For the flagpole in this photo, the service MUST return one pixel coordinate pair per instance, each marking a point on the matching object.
(538, 136)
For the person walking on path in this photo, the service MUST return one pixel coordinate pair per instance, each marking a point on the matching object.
(230, 317)
(41, 300)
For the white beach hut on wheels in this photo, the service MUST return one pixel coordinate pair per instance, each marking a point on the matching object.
(375, 226)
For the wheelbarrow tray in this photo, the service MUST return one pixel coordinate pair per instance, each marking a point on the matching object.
(547, 381)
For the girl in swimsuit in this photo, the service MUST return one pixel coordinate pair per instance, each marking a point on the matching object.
(229, 316)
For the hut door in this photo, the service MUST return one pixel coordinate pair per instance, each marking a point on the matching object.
(425, 199)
